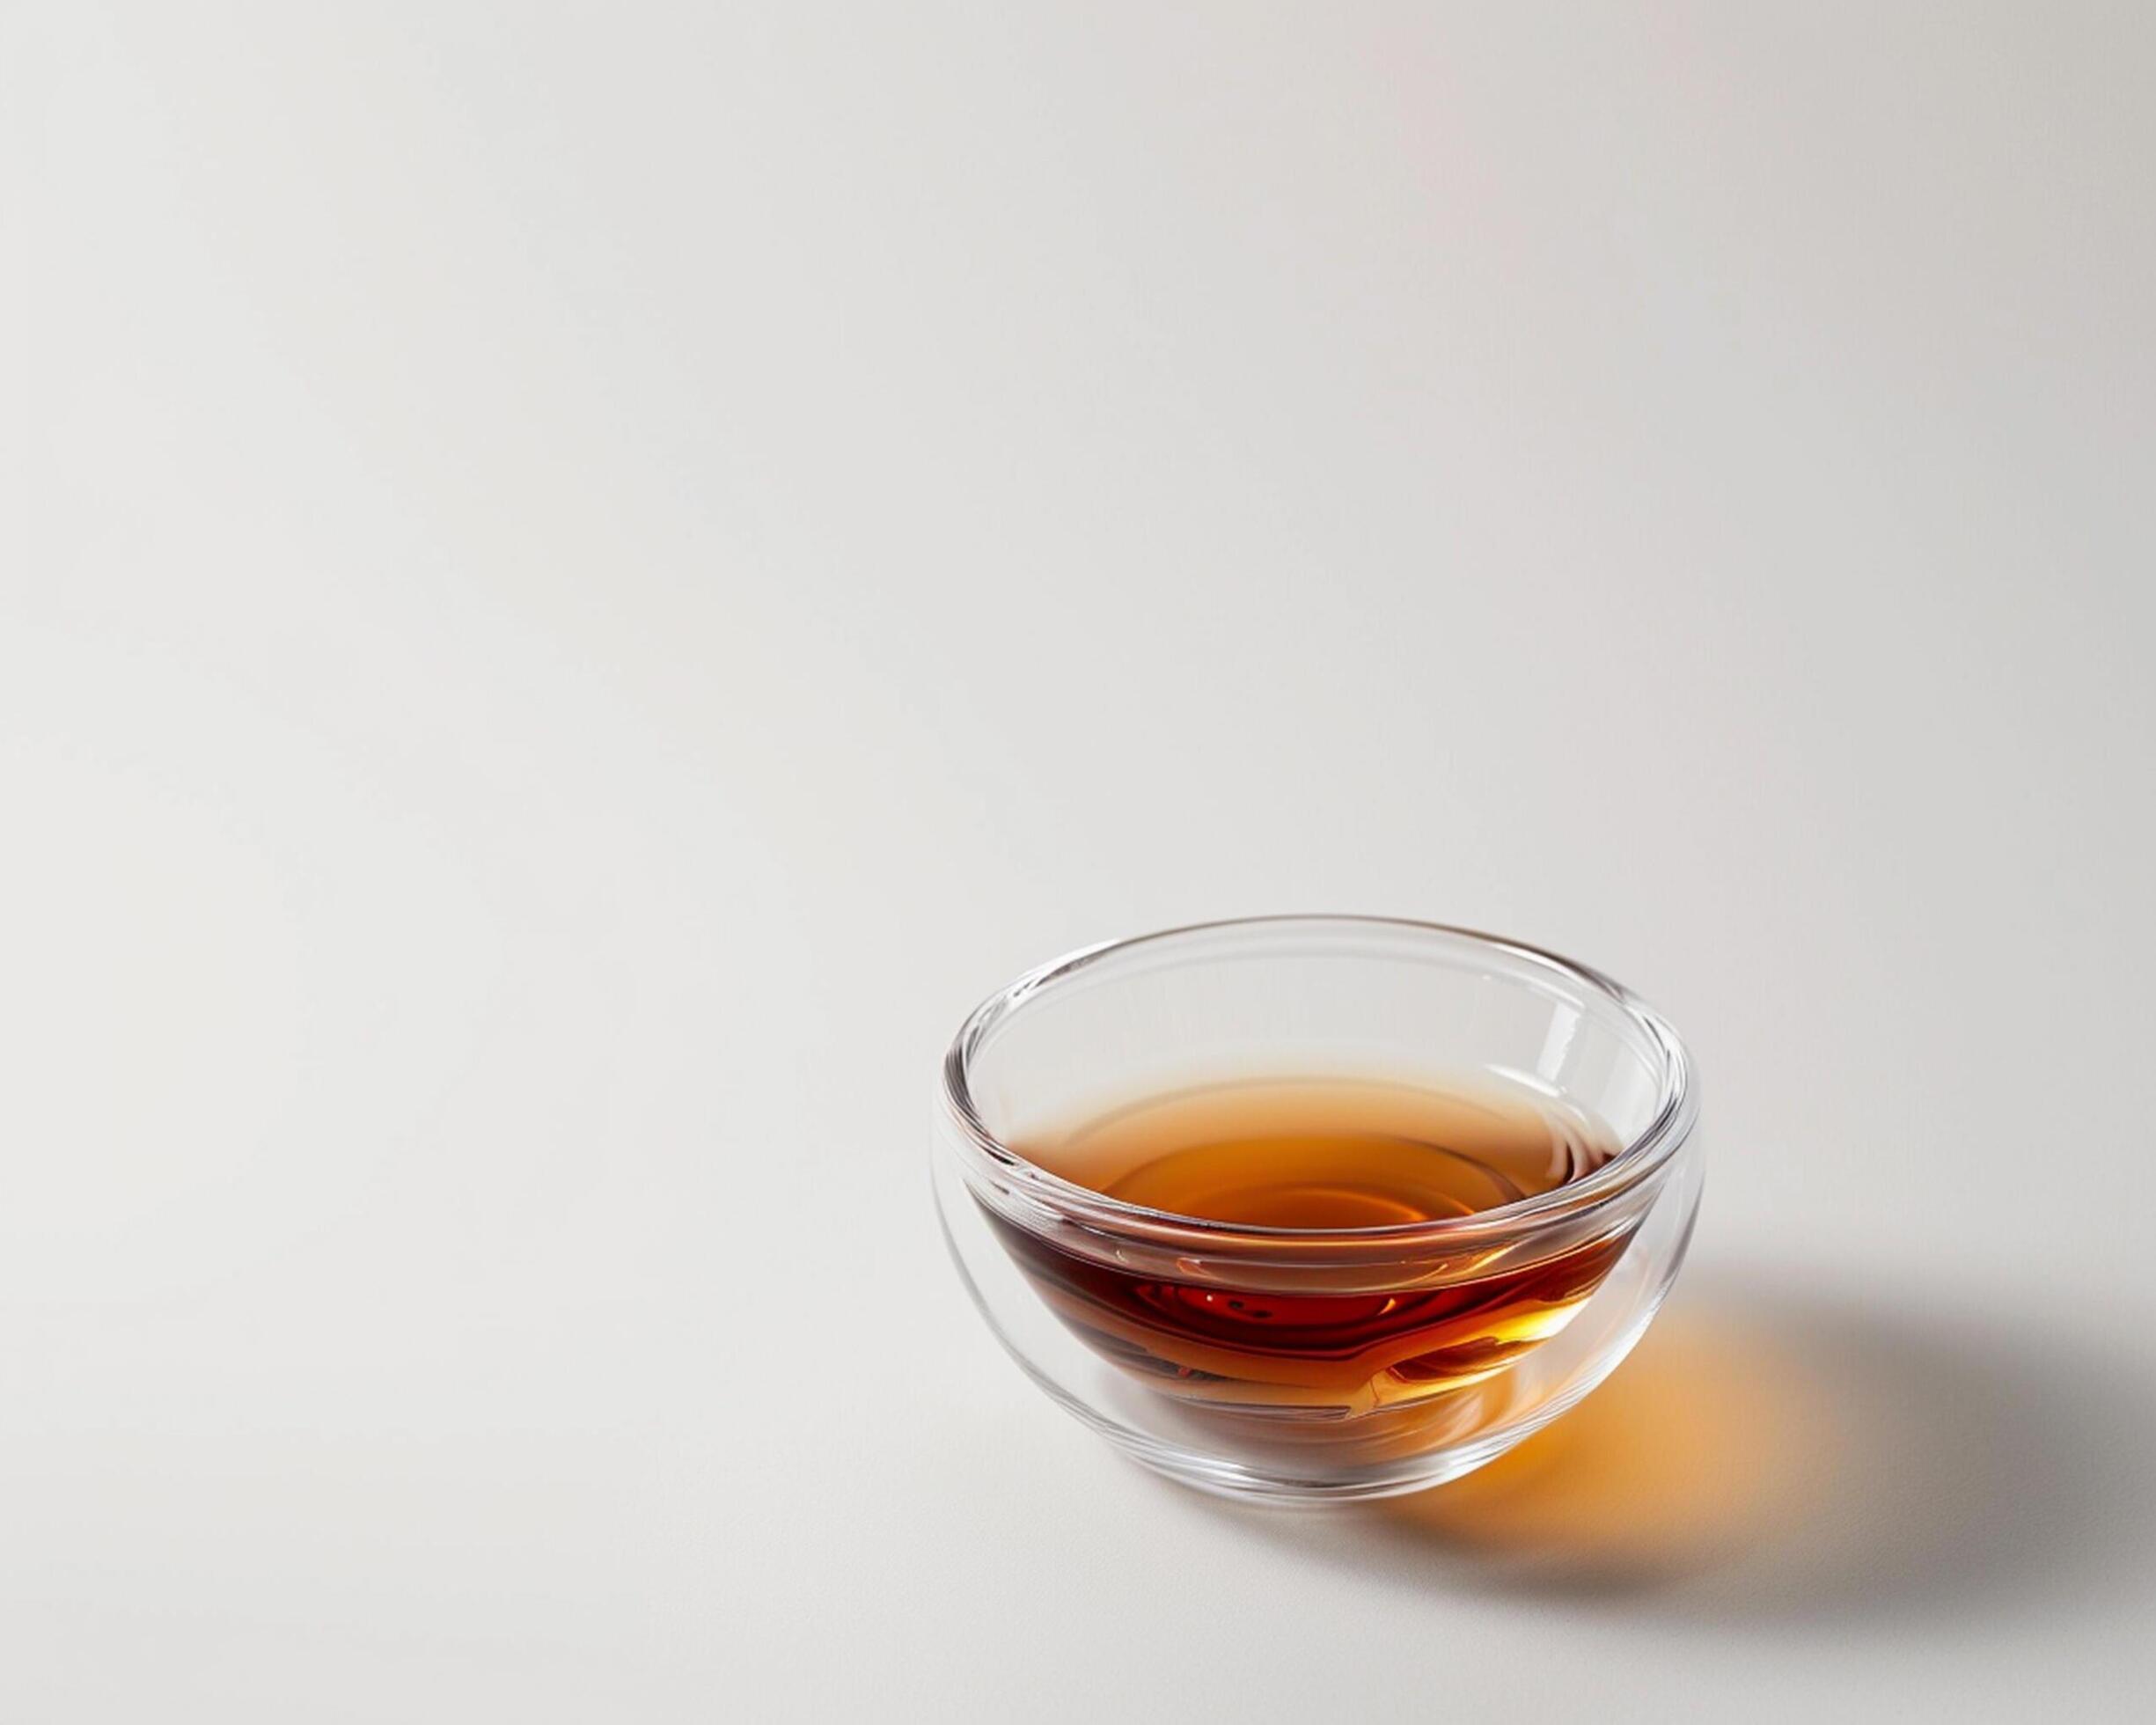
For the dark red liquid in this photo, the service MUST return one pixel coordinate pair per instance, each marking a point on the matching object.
(1334, 1157)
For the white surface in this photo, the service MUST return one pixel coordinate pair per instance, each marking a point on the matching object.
(594, 576)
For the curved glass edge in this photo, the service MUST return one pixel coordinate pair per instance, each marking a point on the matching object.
(1033, 1197)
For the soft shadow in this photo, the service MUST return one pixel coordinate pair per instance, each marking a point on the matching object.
(1778, 1456)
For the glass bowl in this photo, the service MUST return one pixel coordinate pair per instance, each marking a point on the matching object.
(1520, 1309)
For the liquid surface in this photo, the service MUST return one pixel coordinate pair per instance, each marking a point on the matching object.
(1352, 1154)
(1317, 1155)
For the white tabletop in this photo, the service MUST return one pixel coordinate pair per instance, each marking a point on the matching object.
(597, 575)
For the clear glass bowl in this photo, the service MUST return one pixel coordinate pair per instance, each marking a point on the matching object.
(1322, 998)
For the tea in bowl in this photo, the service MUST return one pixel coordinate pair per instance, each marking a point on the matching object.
(1316, 1207)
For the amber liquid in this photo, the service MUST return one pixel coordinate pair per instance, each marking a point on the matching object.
(1328, 1339)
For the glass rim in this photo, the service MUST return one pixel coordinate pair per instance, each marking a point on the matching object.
(1644, 1154)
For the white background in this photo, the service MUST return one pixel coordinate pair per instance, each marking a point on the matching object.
(583, 579)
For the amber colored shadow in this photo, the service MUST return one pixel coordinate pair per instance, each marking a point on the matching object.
(1709, 1441)
(1773, 1455)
